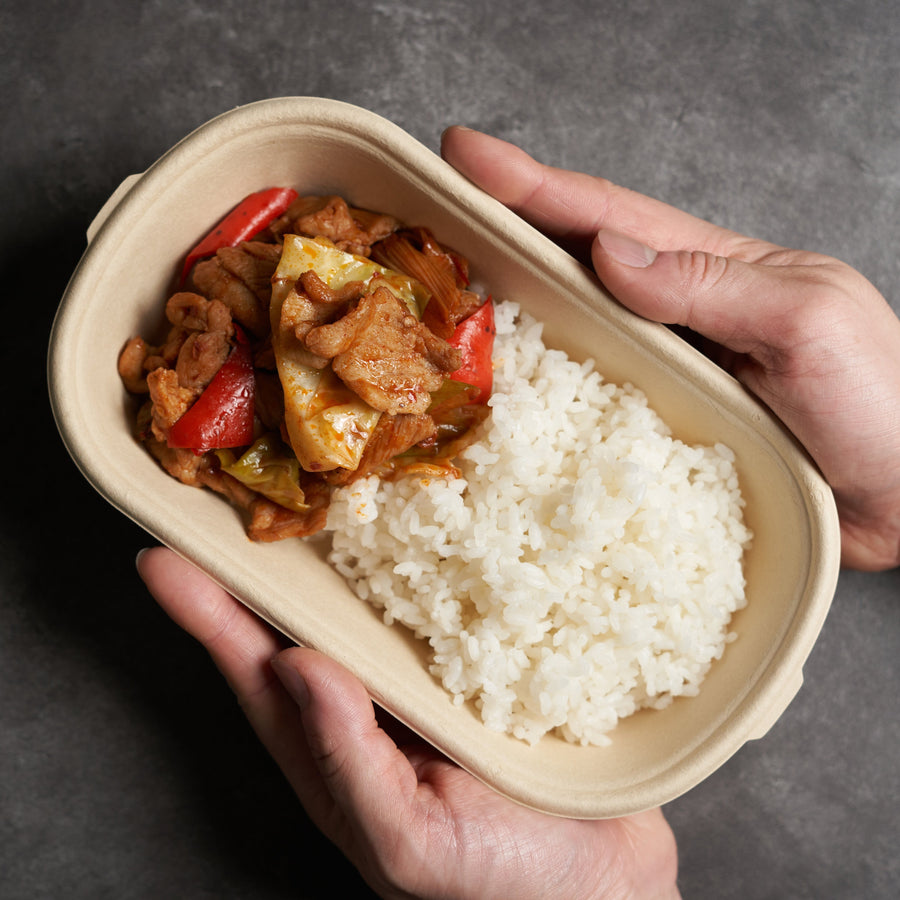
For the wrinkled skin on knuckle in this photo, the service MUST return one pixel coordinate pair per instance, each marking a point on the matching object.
(399, 864)
(697, 275)
(702, 271)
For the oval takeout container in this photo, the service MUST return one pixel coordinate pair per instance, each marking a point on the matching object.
(135, 247)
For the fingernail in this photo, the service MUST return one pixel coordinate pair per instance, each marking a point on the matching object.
(625, 249)
(293, 682)
(457, 128)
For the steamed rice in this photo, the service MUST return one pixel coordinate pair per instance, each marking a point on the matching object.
(585, 565)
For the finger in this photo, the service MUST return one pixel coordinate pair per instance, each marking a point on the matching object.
(368, 778)
(572, 206)
(656, 862)
(240, 643)
(427, 825)
(242, 647)
(758, 310)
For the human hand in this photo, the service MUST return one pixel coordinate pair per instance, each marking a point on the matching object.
(411, 821)
(810, 336)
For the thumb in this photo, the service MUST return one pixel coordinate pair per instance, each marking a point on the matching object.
(750, 308)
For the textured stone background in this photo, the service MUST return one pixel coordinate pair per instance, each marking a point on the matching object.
(126, 770)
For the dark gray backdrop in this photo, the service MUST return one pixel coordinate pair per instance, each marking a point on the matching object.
(126, 769)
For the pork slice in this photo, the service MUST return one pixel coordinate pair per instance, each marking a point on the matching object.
(185, 465)
(195, 312)
(385, 355)
(241, 278)
(131, 365)
(311, 302)
(201, 356)
(170, 400)
(351, 230)
(271, 522)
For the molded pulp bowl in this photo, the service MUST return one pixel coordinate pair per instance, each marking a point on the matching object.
(320, 146)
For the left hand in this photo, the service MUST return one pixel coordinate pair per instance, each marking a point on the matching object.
(412, 822)
(808, 334)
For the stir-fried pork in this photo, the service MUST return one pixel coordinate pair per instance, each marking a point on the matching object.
(131, 365)
(311, 303)
(200, 357)
(383, 353)
(391, 360)
(193, 311)
(351, 230)
(170, 400)
(241, 277)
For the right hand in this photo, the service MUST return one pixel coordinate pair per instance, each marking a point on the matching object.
(809, 335)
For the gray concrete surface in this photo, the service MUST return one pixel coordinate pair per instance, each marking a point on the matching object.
(126, 769)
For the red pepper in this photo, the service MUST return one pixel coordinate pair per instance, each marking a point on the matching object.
(222, 416)
(474, 336)
(249, 217)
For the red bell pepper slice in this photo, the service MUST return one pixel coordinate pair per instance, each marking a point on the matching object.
(222, 416)
(474, 337)
(249, 217)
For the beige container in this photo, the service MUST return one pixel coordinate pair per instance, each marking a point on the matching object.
(320, 146)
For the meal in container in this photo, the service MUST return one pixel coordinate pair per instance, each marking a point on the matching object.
(335, 375)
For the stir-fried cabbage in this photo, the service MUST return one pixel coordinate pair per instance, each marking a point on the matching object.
(269, 468)
(328, 424)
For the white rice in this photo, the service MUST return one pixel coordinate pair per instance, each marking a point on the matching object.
(584, 566)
